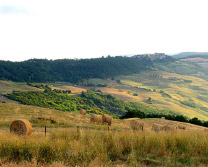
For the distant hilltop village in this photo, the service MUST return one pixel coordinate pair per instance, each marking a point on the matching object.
(151, 56)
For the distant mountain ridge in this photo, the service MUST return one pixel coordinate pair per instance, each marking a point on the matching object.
(190, 54)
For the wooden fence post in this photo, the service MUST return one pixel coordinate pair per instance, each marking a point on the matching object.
(45, 131)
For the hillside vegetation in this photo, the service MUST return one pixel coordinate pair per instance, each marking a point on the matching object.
(42, 70)
(92, 101)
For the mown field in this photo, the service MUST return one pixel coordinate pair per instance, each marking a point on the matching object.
(95, 145)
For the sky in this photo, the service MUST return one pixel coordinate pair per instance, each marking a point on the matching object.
(57, 29)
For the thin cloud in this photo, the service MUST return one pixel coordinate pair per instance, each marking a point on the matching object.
(12, 10)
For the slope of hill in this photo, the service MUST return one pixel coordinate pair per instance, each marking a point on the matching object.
(180, 93)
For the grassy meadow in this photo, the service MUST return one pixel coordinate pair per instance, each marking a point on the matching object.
(87, 147)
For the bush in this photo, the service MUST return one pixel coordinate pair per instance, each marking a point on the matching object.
(195, 121)
(133, 114)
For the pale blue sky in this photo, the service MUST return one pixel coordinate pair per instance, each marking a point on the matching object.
(56, 29)
(12, 10)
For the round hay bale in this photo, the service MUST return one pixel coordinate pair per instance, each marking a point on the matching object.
(83, 112)
(21, 127)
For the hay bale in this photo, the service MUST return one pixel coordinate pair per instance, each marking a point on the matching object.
(157, 127)
(21, 127)
(182, 127)
(162, 117)
(96, 119)
(136, 125)
(169, 128)
(107, 120)
(83, 112)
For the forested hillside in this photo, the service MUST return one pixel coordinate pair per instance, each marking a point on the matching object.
(42, 70)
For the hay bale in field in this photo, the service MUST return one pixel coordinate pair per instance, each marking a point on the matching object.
(157, 127)
(21, 127)
(206, 129)
(162, 117)
(96, 119)
(52, 121)
(168, 128)
(182, 127)
(83, 112)
(136, 125)
(107, 120)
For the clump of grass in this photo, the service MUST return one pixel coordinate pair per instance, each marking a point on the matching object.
(88, 147)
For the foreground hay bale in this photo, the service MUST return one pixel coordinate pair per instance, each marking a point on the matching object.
(83, 112)
(96, 119)
(136, 125)
(21, 127)
(182, 127)
(107, 120)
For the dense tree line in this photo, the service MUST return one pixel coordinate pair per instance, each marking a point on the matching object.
(92, 101)
(70, 70)
(174, 117)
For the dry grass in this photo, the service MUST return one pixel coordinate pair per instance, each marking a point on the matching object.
(106, 148)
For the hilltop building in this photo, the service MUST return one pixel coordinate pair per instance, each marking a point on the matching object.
(151, 56)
